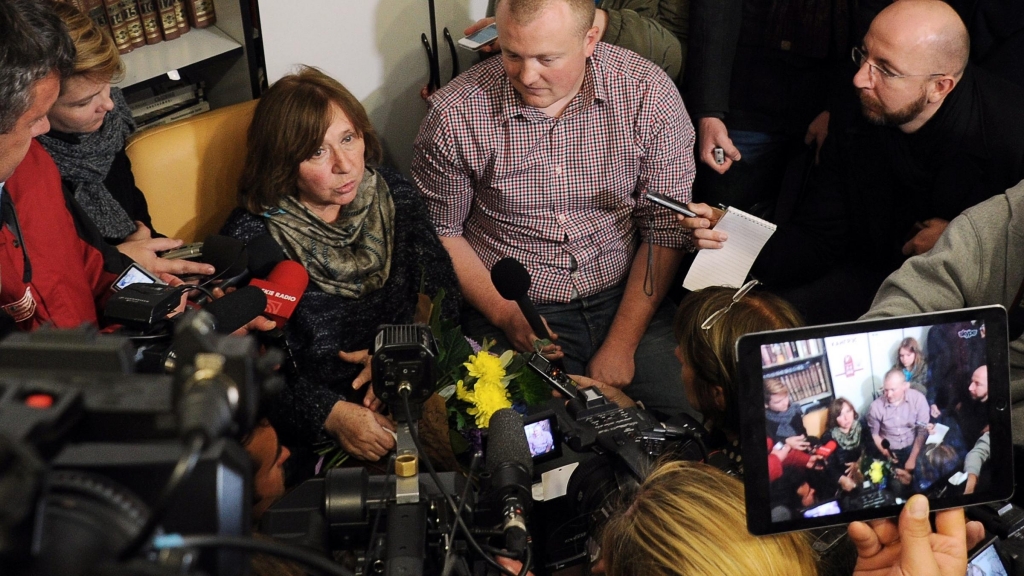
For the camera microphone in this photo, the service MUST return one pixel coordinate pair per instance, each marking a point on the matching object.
(511, 467)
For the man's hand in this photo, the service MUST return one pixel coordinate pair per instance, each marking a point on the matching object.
(513, 566)
(782, 452)
(141, 248)
(904, 476)
(712, 132)
(480, 25)
(704, 235)
(612, 393)
(847, 483)
(364, 358)
(972, 482)
(817, 131)
(612, 364)
(521, 336)
(935, 411)
(927, 235)
(883, 549)
(361, 432)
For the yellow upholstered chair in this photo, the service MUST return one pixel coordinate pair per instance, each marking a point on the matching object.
(815, 422)
(189, 170)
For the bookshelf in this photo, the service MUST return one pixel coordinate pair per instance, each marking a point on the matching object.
(802, 366)
(220, 56)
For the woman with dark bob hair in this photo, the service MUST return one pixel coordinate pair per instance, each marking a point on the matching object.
(312, 180)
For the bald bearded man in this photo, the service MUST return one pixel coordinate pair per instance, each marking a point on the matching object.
(933, 136)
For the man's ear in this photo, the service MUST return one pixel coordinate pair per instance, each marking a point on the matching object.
(590, 40)
(942, 87)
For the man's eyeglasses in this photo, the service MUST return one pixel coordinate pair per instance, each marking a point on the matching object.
(735, 298)
(859, 58)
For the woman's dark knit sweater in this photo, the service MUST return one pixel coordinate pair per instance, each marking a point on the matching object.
(323, 324)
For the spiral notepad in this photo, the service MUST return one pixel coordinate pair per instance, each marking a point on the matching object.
(729, 265)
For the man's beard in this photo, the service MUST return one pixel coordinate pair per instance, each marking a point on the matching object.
(875, 113)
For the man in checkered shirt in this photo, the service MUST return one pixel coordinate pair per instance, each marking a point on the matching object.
(545, 154)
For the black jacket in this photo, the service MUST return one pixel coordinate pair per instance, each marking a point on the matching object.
(875, 182)
(763, 65)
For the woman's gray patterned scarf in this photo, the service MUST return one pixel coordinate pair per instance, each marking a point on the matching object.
(86, 164)
(351, 256)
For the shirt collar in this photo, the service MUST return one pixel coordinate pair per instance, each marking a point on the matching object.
(591, 91)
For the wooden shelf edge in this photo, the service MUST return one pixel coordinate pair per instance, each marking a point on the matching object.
(155, 60)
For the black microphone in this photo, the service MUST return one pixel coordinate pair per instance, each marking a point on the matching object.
(512, 281)
(885, 444)
(236, 309)
(511, 467)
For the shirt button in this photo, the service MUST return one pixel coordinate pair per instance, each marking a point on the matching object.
(558, 170)
(562, 218)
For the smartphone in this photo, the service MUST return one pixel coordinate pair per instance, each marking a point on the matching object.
(662, 200)
(480, 38)
(135, 274)
(187, 251)
(823, 378)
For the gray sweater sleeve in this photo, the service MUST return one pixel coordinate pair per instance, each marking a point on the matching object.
(978, 455)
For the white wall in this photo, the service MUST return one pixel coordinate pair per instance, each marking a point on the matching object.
(871, 355)
(373, 47)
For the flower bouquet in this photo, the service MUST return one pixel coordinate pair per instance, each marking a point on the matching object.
(475, 382)
(472, 384)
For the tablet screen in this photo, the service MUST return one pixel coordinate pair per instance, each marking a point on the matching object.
(847, 421)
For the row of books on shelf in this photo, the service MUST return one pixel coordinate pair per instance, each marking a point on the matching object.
(783, 352)
(135, 23)
(804, 380)
(160, 104)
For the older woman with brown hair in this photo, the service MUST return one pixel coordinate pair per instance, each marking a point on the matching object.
(312, 180)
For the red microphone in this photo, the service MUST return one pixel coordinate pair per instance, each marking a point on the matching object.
(284, 287)
(826, 449)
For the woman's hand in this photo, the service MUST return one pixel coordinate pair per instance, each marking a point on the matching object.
(610, 392)
(142, 248)
(363, 357)
(912, 549)
(361, 432)
(798, 442)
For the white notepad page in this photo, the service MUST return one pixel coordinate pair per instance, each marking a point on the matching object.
(729, 265)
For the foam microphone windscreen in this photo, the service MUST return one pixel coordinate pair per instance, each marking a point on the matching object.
(510, 278)
(506, 441)
(227, 255)
(236, 309)
(264, 253)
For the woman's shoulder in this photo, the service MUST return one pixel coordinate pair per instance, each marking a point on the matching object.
(243, 225)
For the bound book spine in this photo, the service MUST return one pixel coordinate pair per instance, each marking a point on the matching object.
(181, 15)
(201, 13)
(136, 35)
(97, 11)
(118, 27)
(150, 17)
(168, 22)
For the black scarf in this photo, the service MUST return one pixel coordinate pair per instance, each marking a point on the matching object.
(84, 160)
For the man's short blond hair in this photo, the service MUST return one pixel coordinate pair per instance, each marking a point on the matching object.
(525, 11)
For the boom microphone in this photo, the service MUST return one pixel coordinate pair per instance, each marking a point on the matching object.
(511, 467)
(512, 281)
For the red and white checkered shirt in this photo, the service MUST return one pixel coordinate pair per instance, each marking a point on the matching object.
(561, 195)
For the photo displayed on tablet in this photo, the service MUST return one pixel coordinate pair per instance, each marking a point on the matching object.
(847, 421)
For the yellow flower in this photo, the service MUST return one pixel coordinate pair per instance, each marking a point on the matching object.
(487, 397)
(485, 366)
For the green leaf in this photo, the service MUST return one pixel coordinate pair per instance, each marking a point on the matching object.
(540, 343)
(435, 314)
(459, 444)
(533, 388)
(447, 392)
